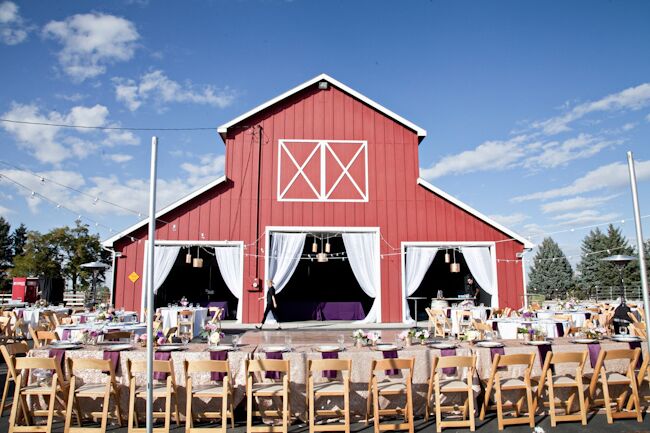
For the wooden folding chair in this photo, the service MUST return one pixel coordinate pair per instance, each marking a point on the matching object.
(42, 337)
(440, 322)
(612, 378)
(215, 314)
(118, 336)
(47, 319)
(464, 320)
(18, 325)
(56, 391)
(267, 389)
(223, 390)
(185, 322)
(440, 384)
(553, 381)
(329, 388)
(390, 387)
(161, 389)
(501, 384)
(642, 377)
(107, 389)
(171, 333)
(10, 352)
(483, 328)
(639, 329)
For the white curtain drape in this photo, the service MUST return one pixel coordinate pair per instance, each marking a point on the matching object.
(164, 258)
(286, 249)
(362, 251)
(229, 261)
(418, 261)
(479, 261)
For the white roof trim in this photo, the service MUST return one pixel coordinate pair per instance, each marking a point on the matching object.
(223, 129)
(477, 214)
(110, 241)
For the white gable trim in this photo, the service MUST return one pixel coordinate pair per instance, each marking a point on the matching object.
(110, 241)
(477, 214)
(223, 129)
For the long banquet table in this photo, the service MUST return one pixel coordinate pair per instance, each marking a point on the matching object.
(361, 362)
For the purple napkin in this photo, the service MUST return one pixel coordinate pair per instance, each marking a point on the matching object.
(543, 349)
(635, 345)
(330, 374)
(83, 319)
(594, 351)
(59, 354)
(114, 357)
(495, 325)
(587, 316)
(390, 354)
(273, 374)
(448, 313)
(218, 355)
(560, 329)
(497, 350)
(161, 356)
(449, 371)
(65, 335)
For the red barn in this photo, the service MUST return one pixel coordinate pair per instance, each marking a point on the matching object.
(321, 194)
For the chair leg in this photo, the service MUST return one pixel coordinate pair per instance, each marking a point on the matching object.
(608, 407)
(131, 407)
(50, 411)
(581, 401)
(529, 403)
(499, 405)
(311, 415)
(68, 412)
(107, 402)
(346, 407)
(285, 413)
(438, 406)
(375, 406)
(635, 397)
(249, 407)
(189, 416)
(409, 407)
(472, 416)
(551, 403)
(224, 410)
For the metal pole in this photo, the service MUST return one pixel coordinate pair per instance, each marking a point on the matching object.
(639, 243)
(149, 288)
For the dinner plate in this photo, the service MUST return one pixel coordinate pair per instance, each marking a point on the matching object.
(169, 347)
(538, 343)
(386, 347)
(328, 348)
(58, 343)
(274, 349)
(65, 346)
(443, 346)
(490, 344)
(585, 340)
(117, 347)
(625, 338)
(220, 348)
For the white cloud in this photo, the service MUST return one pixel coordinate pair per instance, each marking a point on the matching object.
(557, 153)
(155, 86)
(5, 211)
(119, 157)
(576, 203)
(491, 155)
(588, 216)
(510, 220)
(13, 28)
(612, 176)
(632, 98)
(53, 145)
(628, 126)
(207, 169)
(91, 42)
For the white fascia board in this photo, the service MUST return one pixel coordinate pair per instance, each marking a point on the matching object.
(108, 243)
(223, 129)
(477, 214)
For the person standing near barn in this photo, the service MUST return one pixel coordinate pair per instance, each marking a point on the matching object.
(271, 304)
(472, 288)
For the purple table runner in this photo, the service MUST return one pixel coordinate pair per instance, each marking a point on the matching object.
(637, 345)
(543, 350)
(219, 355)
(390, 354)
(330, 374)
(594, 351)
(65, 335)
(494, 351)
(59, 354)
(114, 357)
(495, 325)
(448, 313)
(560, 329)
(161, 356)
(449, 371)
(273, 374)
(83, 318)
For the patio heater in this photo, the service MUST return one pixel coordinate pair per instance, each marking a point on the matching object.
(620, 261)
(95, 267)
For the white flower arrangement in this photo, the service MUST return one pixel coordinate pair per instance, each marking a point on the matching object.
(422, 334)
(373, 337)
(471, 335)
(406, 334)
(359, 334)
(538, 429)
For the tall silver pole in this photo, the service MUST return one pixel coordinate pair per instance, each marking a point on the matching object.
(639, 243)
(149, 288)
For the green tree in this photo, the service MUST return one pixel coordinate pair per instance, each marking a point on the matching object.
(551, 274)
(6, 253)
(19, 239)
(39, 258)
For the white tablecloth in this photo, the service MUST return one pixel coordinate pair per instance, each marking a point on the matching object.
(170, 317)
(31, 315)
(125, 316)
(508, 327)
(477, 313)
(71, 332)
(577, 317)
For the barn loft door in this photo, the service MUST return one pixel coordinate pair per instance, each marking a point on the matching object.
(322, 170)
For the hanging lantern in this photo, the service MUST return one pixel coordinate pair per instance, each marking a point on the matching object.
(198, 261)
(447, 257)
(454, 267)
(188, 256)
(321, 257)
(314, 246)
(327, 246)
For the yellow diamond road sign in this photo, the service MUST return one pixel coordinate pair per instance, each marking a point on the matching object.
(133, 277)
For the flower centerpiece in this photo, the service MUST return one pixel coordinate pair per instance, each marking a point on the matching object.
(212, 333)
(360, 337)
(422, 335)
(41, 303)
(527, 315)
(92, 336)
(184, 302)
(373, 337)
(536, 334)
(81, 337)
(595, 333)
(157, 340)
(470, 335)
(522, 332)
(406, 336)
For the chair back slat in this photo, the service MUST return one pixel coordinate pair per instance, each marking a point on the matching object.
(315, 365)
(568, 357)
(263, 365)
(516, 359)
(393, 364)
(454, 361)
(206, 366)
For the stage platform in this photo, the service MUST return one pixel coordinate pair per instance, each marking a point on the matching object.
(318, 325)
(309, 336)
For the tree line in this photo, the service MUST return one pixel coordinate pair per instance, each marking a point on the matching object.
(58, 253)
(552, 276)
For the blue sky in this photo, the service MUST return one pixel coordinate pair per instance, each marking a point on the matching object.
(529, 106)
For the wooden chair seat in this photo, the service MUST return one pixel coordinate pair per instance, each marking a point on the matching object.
(390, 387)
(440, 384)
(36, 389)
(563, 381)
(453, 385)
(91, 389)
(331, 389)
(574, 384)
(159, 390)
(211, 390)
(219, 388)
(326, 388)
(278, 389)
(268, 389)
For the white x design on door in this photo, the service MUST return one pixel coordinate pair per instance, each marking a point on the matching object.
(323, 170)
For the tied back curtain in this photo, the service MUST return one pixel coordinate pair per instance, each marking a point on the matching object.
(229, 261)
(418, 261)
(479, 261)
(362, 250)
(163, 262)
(286, 249)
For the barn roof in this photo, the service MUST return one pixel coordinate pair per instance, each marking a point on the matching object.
(223, 129)
(450, 198)
(110, 241)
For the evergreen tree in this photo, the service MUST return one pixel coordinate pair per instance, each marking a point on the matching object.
(551, 274)
(6, 253)
(18, 239)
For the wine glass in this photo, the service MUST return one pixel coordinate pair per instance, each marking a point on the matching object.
(288, 341)
(185, 338)
(341, 340)
(235, 341)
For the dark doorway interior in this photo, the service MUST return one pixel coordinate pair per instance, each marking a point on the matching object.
(315, 283)
(199, 285)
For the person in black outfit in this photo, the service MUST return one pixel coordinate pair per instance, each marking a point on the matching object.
(271, 304)
(472, 288)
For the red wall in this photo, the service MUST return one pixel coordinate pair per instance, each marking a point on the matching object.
(403, 210)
